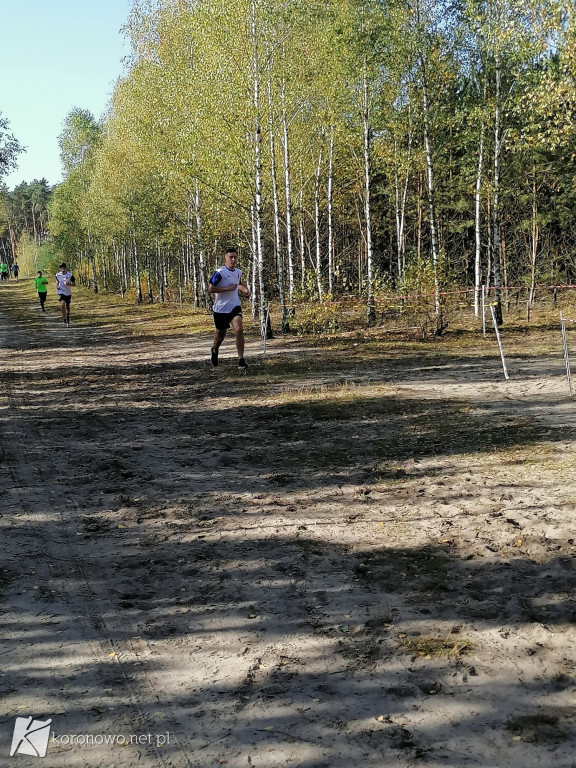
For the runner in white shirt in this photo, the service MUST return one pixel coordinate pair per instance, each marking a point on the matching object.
(224, 285)
(64, 281)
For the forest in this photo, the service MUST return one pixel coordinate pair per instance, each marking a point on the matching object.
(24, 230)
(348, 148)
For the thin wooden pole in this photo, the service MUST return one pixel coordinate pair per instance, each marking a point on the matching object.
(264, 331)
(484, 311)
(499, 341)
(566, 355)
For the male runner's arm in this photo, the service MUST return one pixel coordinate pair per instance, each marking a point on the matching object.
(220, 289)
(244, 290)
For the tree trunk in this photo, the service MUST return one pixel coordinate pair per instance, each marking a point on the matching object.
(104, 269)
(496, 195)
(317, 227)
(535, 238)
(124, 289)
(201, 250)
(92, 260)
(288, 201)
(137, 270)
(257, 149)
(276, 208)
(149, 279)
(93, 269)
(367, 146)
(431, 185)
(161, 272)
(254, 263)
(477, 227)
(302, 245)
(400, 200)
(329, 188)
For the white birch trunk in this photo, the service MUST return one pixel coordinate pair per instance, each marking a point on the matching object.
(367, 144)
(200, 248)
(257, 148)
(477, 227)
(535, 238)
(302, 244)
(288, 201)
(329, 188)
(254, 263)
(430, 185)
(400, 200)
(276, 209)
(317, 226)
(496, 195)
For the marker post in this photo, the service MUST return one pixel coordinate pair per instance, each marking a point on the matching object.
(499, 341)
(566, 355)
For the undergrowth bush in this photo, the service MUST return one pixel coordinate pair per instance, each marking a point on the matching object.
(315, 318)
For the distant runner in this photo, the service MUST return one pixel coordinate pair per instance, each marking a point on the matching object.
(224, 284)
(41, 284)
(4, 271)
(15, 271)
(64, 281)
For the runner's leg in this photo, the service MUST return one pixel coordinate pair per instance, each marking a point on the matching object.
(239, 333)
(219, 337)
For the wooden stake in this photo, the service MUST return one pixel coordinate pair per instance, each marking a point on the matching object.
(566, 355)
(499, 341)
(264, 331)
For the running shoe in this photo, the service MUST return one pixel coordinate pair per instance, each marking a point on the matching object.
(214, 357)
(242, 364)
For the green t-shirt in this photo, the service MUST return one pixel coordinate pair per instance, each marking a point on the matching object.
(41, 283)
(3, 267)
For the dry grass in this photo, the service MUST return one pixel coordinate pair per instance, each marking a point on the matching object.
(429, 647)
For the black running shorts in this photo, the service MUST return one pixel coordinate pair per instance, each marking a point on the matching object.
(222, 320)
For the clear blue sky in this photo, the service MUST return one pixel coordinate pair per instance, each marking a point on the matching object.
(56, 55)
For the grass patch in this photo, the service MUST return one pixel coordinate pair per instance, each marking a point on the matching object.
(429, 647)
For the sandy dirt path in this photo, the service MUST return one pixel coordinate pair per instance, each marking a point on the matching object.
(349, 564)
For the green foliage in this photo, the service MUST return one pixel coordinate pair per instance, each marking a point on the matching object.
(48, 258)
(23, 211)
(78, 140)
(418, 277)
(26, 255)
(313, 318)
(32, 257)
(10, 148)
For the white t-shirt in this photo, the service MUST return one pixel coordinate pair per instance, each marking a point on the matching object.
(226, 302)
(63, 289)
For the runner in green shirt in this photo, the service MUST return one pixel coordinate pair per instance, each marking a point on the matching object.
(42, 288)
(4, 271)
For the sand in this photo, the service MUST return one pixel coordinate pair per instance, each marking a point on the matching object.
(328, 562)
